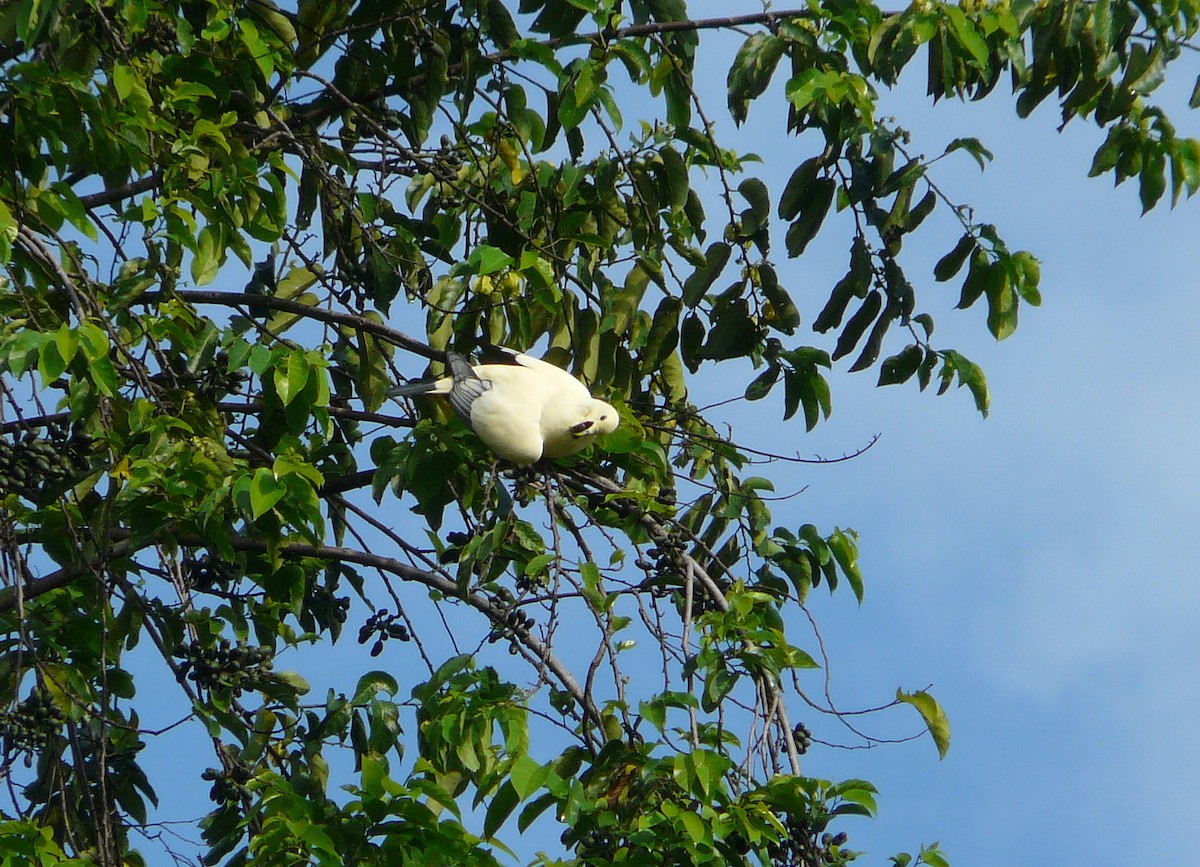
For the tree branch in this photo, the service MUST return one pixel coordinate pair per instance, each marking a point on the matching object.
(350, 320)
(443, 585)
(323, 107)
(125, 191)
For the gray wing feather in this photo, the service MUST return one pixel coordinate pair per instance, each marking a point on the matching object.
(467, 385)
(412, 389)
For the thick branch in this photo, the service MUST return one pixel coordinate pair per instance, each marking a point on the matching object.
(61, 418)
(359, 323)
(125, 191)
(651, 28)
(323, 107)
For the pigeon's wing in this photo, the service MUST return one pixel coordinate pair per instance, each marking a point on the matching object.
(554, 378)
(503, 420)
(467, 385)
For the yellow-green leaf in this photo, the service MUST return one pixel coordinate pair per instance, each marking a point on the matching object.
(935, 718)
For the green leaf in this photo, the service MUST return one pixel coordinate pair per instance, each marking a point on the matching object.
(933, 715)
(1108, 154)
(804, 87)
(500, 807)
(51, 364)
(664, 333)
(715, 259)
(952, 262)
(678, 90)
(1002, 303)
(933, 856)
(793, 393)
(675, 174)
(843, 544)
(534, 809)
(1030, 275)
(969, 374)
(782, 314)
(755, 192)
(8, 232)
(206, 258)
(751, 71)
(67, 340)
(978, 277)
(968, 37)
(902, 178)
(1102, 26)
(124, 80)
(104, 375)
(527, 776)
(695, 827)
(486, 259)
(500, 25)
(974, 147)
(265, 492)
(733, 334)
(719, 681)
(372, 683)
(901, 366)
(813, 208)
(94, 341)
(1152, 180)
(796, 190)
(291, 378)
(858, 323)
(762, 384)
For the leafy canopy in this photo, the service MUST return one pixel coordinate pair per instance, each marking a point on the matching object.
(183, 462)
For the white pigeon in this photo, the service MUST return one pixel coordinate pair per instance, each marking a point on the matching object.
(523, 409)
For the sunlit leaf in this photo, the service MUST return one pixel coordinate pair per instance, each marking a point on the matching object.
(933, 715)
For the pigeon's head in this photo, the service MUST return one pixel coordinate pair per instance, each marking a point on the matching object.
(597, 417)
(606, 417)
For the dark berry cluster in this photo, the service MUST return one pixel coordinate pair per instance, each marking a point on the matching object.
(207, 572)
(37, 463)
(327, 608)
(212, 382)
(225, 665)
(384, 626)
(31, 724)
(666, 561)
(803, 738)
(227, 785)
(803, 847)
(454, 542)
(665, 571)
(514, 623)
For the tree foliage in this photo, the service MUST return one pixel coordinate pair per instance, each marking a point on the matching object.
(182, 459)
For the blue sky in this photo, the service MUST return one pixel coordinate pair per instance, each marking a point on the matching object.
(1037, 567)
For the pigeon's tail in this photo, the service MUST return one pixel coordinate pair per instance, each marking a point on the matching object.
(459, 370)
(415, 389)
(462, 386)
